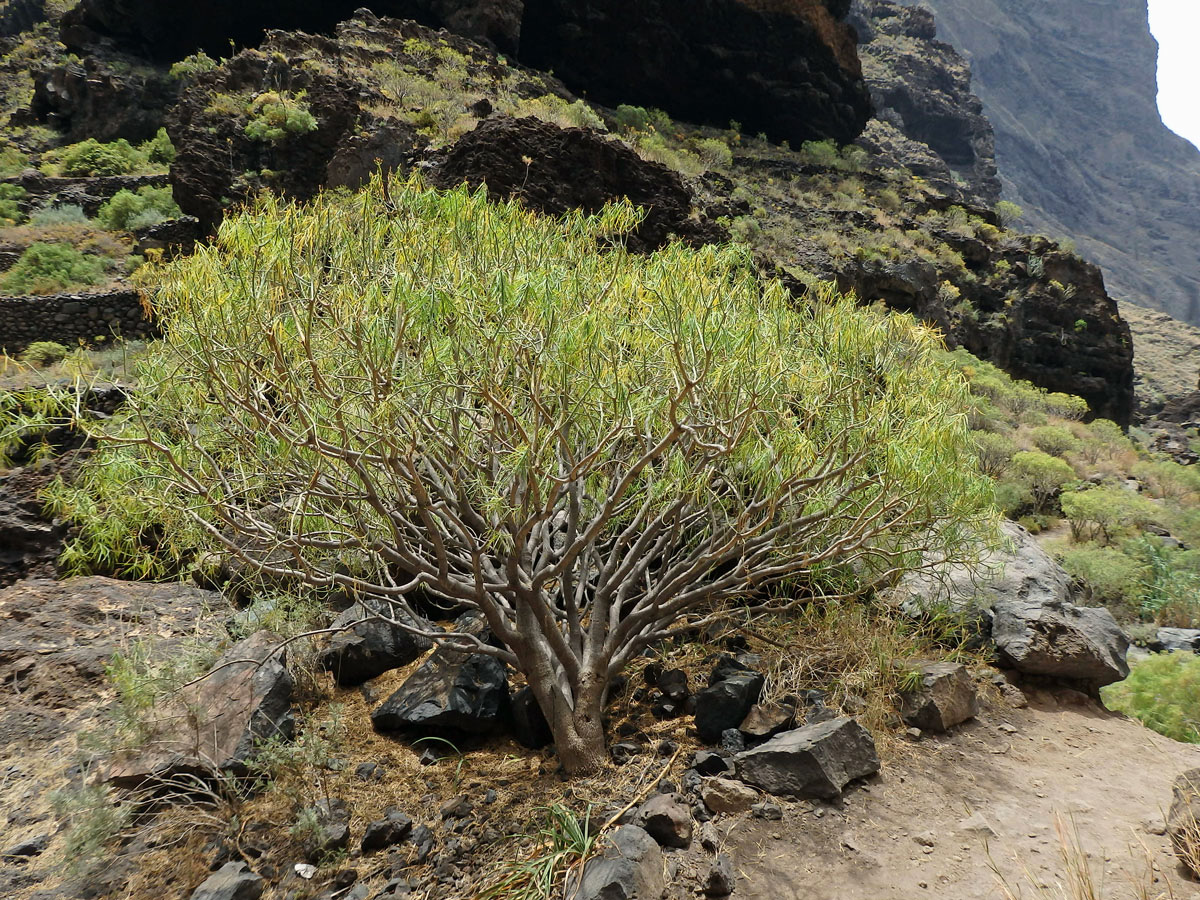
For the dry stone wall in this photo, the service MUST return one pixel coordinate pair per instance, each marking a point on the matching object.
(71, 318)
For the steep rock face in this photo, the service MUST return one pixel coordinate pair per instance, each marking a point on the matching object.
(788, 68)
(922, 88)
(1071, 89)
(785, 67)
(170, 31)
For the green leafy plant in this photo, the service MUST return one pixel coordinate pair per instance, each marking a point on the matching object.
(1163, 691)
(276, 116)
(50, 268)
(41, 354)
(91, 157)
(567, 841)
(128, 211)
(1009, 213)
(1105, 512)
(1043, 474)
(674, 411)
(10, 208)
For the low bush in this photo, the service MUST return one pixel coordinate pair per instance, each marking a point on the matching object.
(1054, 439)
(1112, 577)
(276, 116)
(41, 354)
(90, 158)
(1163, 691)
(51, 268)
(1044, 475)
(51, 216)
(128, 211)
(10, 208)
(994, 451)
(1104, 513)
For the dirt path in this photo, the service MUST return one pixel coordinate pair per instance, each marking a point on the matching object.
(919, 830)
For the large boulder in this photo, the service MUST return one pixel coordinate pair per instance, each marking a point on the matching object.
(631, 867)
(1183, 819)
(554, 170)
(213, 726)
(1036, 628)
(1178, 639)
(816, 761)
(452, 691)
(370, 645)
(945, 698)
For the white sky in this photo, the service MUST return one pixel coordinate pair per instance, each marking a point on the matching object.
(1176, 25)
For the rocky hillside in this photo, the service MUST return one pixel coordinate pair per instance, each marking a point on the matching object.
(1070, 88)
(784, 67)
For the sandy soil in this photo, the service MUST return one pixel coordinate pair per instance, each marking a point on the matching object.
(991, 790)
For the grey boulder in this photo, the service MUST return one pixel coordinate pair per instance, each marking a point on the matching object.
(666, 818)
(369, 646)
(945, 698)
(630, 868)
(213, 725)
(1178, 639)
(233, 881)
(816, 761)
(725, 704)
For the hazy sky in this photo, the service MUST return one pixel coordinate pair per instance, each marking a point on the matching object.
(1176, 24)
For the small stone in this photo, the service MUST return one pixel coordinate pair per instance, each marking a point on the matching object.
(369, 771)
(722, 795)
(732, 741)
(1006, 728)
(1154, 825)
(765, 720)
(387, 832)
(624, 751)
(33, 847)
(813, 761)
(708, 837)
(913, 734)
(765, 809)
(706, 762)
(457, 808)
(945, 698)
(977, 825)
(720, 879)
(233, 881)
(666, 819)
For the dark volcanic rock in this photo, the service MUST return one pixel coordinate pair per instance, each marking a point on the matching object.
(451, 691)
(370, 646)
(629, 868)
(570, 168)
(813, 761)
(922, 87)
(18, 15)
(233, 881)
(945, 698)
(665, 818)
(170, 32)
(725, 705)
(104, 98)
(529, 725)
(788, 68)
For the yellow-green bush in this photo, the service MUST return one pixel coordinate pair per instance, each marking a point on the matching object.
(1163, 691)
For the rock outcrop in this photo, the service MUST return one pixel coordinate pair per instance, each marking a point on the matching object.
(816, 761)
(554, 170)
(921, 88)
(788, 68)
(1071, 89)
(785, 67)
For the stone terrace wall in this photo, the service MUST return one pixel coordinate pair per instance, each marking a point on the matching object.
(71, 318)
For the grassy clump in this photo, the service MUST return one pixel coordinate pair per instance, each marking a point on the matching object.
(41, 354)
(275, 116)
(52, 268)
(1163, 691)
(10, 209)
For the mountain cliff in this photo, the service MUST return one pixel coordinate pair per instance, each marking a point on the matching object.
(1071, 90)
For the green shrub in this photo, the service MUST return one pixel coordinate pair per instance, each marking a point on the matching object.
(436, 345)
(44, 353)
(127, 211)
(1009, 213)
(276, 116)
(12, 162)
(820, 153)
(191, 66)
(1013, 498)
(1106, 512)
(1163, 691)
(715, 152)
(51, 268)
(1167, 478)
(91, 157)
(995, 452)
(159, 149)
(1043, 474)
(10, 208)
(1112, 577)
(632, 118)
(1054, 439)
